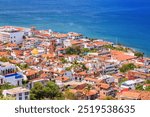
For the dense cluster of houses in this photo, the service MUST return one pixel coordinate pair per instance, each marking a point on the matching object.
(42, 55)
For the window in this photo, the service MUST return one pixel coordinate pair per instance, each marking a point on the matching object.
(18, 83)
(26, 93)
(80, 79)
(26, 97)
(1, 81)
(20, 98)
(20, 94)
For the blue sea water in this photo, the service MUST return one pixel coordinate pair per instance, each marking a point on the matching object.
(127, 21)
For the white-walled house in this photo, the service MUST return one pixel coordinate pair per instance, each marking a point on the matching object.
(73, 58)
(67, 43)
(14, 79)
(7, 68)
(74, 35)
(131, 84)
(8, 74)
(107, 78)
(18, 93)
(12, 34)
(110, 68)
(31, 84)
(68, 74)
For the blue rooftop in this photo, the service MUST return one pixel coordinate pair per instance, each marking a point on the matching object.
(17, 76)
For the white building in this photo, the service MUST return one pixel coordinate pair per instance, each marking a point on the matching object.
(131, 84)
(108, 79)
(14, 79)
(8, 74)
(19, 93)
(11, 34)
(7, 68)
(67, 43)
(110, 68)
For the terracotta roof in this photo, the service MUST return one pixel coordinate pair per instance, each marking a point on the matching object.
(43, 75)
(145, 95)
(63, 79)
(18, 52)
(133, 94)
(104, 86)
(48, 55)
(30, 72)
(4, 53)
(81, 86)
(82, 73)
(75, 42)
(14, 61)
(11, 45)
(91, 92)
(58, 35)
(100, 43)
(130, 94)
(92, 79)
(121, 56)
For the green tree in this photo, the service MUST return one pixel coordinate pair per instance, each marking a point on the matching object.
(84, 67)
(147, 82)
(63, 60)
(49, 91)
(147, 88)
(23, 66)
(37, 92)
(127, 67)
(7, 98)
(70, 96)
(25, 82)
(68, 68)
(88, 88)
(5, 87)
(4, 59)
(119, 48)
(123, 80)
(139, 54)
(85, 50)
(73, 50)
(139, 87)
(52, 91)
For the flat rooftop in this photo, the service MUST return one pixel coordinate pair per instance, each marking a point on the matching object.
(17, 90)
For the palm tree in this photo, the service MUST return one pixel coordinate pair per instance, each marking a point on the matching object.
(87, 89)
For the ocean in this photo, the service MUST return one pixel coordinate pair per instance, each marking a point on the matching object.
(122, 21)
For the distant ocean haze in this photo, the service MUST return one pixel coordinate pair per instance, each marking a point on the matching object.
(124, 21)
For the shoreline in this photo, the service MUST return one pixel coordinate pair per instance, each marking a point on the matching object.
(109, 40)
(97, 38)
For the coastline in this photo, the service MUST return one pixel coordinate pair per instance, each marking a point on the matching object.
(71, 62)
(118, 43)
(109, 39)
